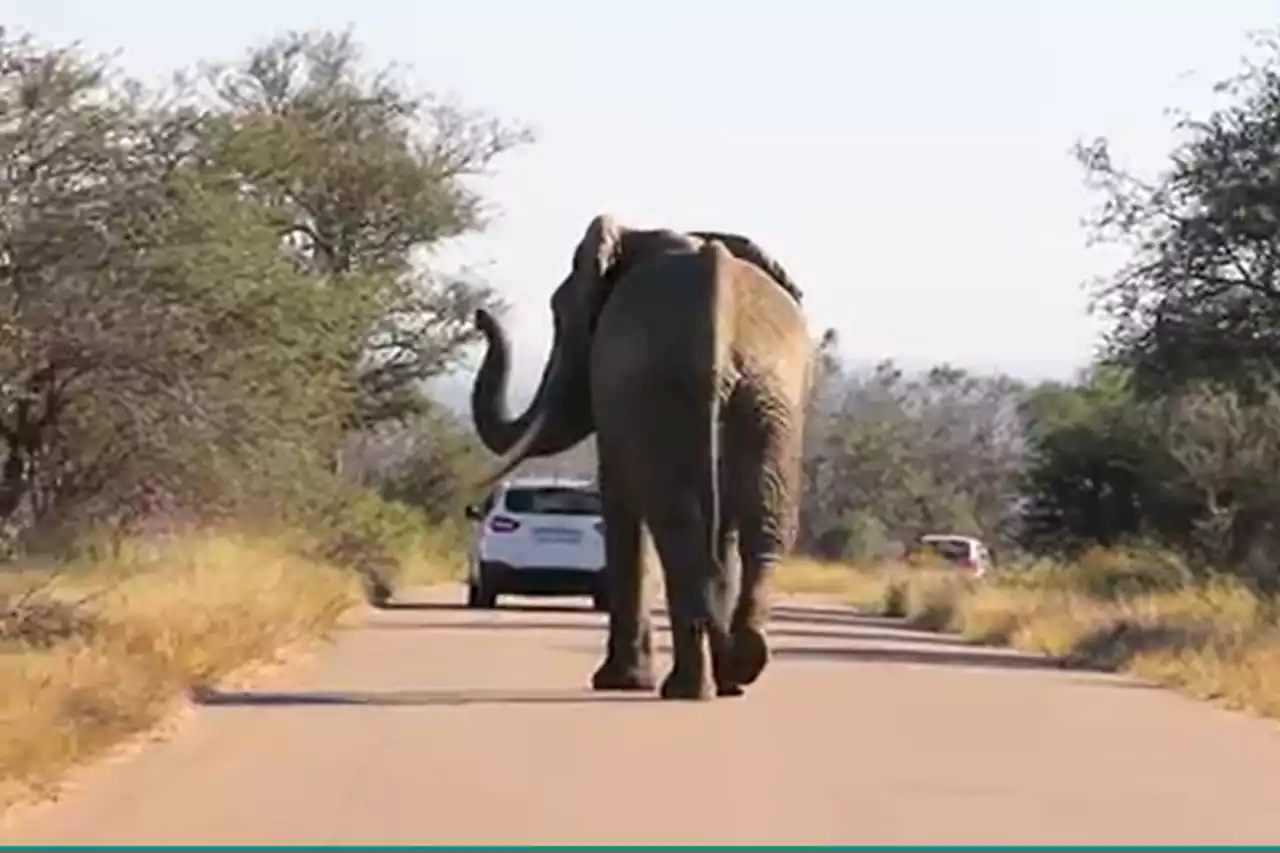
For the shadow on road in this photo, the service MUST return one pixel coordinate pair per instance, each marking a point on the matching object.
(503, 607)
(953, 656)
(597, 626)
(856, 632)
(410, 698)
(831, 616)
(853, 631)
(780, 613)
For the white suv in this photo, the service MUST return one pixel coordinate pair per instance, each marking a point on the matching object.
(965, 552)
(538, 536)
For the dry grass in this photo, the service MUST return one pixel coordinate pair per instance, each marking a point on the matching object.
(96, 650)
(811, 577)
(431, 557)
(1134, 613)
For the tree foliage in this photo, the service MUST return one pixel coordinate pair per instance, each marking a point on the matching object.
(220, 298)
(429, 460)
(204, 290)
(1178, 441)
(361, 174)
(889, 456)
(1199, 297)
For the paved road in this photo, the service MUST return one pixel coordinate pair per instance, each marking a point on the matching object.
(433, 724)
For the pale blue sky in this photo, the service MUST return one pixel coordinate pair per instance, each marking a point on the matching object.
(908, 161)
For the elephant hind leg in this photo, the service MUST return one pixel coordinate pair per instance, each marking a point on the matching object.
(768, 533)
(668, 450)
(691, 590)
(749, 646)
(722, 653)
(628, 663)
(727, 551)
(765, 483)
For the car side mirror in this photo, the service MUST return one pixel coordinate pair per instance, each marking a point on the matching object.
(473, 512)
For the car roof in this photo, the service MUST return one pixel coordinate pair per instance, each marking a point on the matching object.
(548, 482)
(949, 537)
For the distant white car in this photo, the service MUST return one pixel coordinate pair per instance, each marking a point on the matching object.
(538, 536)
(965, 552)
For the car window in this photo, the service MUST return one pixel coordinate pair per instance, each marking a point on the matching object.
(553, 501)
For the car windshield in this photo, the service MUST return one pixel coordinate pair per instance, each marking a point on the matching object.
(553, 501)
(949, 549)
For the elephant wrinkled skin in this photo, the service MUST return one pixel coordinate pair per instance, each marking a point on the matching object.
(688, 356)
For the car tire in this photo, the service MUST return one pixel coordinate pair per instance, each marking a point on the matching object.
(600, 601)
(480, 595)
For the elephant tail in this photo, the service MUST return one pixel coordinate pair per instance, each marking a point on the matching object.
(721, 379)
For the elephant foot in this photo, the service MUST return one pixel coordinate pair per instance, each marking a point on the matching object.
(729, 690)
(748, 655)
(610, 676)
(686, 684)
(722, 668)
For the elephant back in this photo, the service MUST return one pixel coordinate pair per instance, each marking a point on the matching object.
(745, 249)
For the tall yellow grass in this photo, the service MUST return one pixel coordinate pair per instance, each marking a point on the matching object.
(95, 650)
(1135, 613)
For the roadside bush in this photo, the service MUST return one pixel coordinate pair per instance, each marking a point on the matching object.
(1109, 573)
(1133, 611)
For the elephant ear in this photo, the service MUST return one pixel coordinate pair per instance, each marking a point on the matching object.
(597, 253)
(745, 250)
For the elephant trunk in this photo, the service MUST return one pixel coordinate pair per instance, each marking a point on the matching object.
(542, 429)
(498, 431)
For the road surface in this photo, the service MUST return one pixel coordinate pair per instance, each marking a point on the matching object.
(432, 724)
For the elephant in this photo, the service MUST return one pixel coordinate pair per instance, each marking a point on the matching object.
(688, 356)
